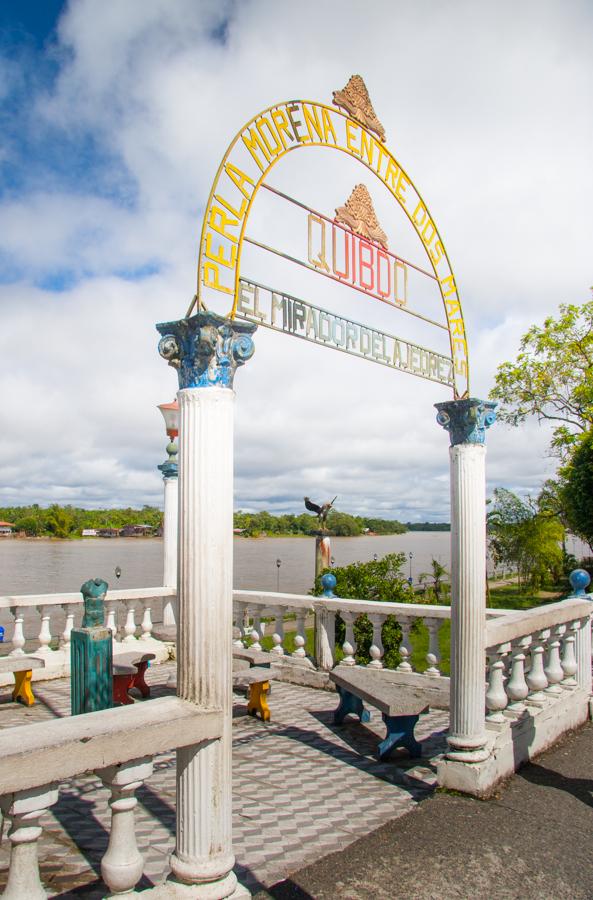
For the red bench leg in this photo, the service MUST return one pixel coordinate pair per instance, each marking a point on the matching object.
(139, 681)
(121, 686)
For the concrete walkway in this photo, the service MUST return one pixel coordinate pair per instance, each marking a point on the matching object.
(533, 841)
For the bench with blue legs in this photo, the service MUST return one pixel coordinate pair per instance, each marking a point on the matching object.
(401, 698)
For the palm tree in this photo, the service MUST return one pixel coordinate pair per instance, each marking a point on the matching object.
(437, 575)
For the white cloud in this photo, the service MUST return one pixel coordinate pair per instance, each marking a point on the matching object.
(485, 106)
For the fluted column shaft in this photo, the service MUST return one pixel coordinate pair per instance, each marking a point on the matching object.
(204, 800)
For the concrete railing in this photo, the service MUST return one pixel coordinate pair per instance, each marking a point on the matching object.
(117, 745)
(250, 608)
(44, 622)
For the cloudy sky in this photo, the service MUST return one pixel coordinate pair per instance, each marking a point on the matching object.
(115, 116)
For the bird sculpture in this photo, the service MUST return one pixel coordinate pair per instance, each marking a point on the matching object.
(321, 511)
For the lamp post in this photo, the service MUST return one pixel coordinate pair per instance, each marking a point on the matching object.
(375, 557)
(170, 413)
(410, 579)
(278, 564)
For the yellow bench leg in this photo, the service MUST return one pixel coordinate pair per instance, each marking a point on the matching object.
(258, 701)
(22, 687)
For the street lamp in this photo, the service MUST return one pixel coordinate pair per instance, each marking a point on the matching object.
(170, 413)
(332, 561)
(410, 580)
(278, 564)
(375, 557)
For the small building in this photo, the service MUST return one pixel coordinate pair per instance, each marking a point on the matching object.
(136, 530)
(88, 532)
(6, 528)
(108, 532)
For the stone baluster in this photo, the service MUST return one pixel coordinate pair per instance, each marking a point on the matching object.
(466, 421)
(255, 636)
(257, 625)
(18, 635)
(122, 864)
(69, 609)
(583, 653)
(300, 637)
(111, 618)
(130, 626)
(349, 645)
(44, 637)
(238, 612)
(278, 635)
(553, 668)
(376, 649)
(536, 677)
(405, 648)
(517, 687)
(146, 624)
(496, 696)
(325, 638)
(24, 809)
(568, 659)
(434, 652)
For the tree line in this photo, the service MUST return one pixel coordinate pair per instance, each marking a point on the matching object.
(69, 521)
(551, 380)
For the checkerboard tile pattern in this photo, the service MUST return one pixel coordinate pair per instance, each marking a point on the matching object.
(302, 788)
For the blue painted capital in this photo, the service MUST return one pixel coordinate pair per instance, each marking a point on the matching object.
(169, 469)
(466, 420)
(579, 582)
(206, 349)
(328, 582)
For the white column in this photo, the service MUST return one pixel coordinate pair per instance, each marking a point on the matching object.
(466, 421)
(583, 652)
(206, 349)
(170, 531)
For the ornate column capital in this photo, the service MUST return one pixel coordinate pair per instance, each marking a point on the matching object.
(170, 468)
(466, 420)
(206, 349)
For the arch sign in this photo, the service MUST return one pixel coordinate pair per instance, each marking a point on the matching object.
(350, 248)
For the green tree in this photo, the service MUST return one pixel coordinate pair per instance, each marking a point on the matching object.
(525, 536)
(29, 524)
(437, 574)
(575, 489)
(552, 377)
(61, 521)
(343, 525)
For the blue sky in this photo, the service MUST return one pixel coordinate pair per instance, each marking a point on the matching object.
(114, 118)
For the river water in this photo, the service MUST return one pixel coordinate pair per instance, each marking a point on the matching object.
(47, 566)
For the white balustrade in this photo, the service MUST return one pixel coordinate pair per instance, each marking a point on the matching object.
(68, 626)
(536, 677)
(111, 618)
(405, 648)
(18, 634)
(376, 649)
(553, 668)
(496, 696)
(146, 624)
(45, 633)
(24, 808)
(300, 636)
(349, 645)
(130, 626)
(434, 653)
(255, 644)
(278, 633)
(122, 865)
(517, 687)
(568, 659)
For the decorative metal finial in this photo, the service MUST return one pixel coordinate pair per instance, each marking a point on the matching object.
(321, 511)
(358, 213)
(355, 100)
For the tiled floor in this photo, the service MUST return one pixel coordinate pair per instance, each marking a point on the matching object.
(301, 789)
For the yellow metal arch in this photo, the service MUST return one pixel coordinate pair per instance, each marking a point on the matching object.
(441, 266)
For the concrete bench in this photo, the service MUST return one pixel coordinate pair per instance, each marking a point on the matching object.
(22, 666)
(128, 672)
(255, 681)
(253, 657)
(401, 699)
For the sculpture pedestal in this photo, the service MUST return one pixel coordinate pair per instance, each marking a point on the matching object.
(91, 667)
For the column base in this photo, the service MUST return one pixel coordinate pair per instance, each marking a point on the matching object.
(176, 890)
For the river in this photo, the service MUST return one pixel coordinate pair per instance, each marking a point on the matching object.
(48, 566)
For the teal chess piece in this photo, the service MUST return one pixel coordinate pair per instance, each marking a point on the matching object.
(91, 654)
